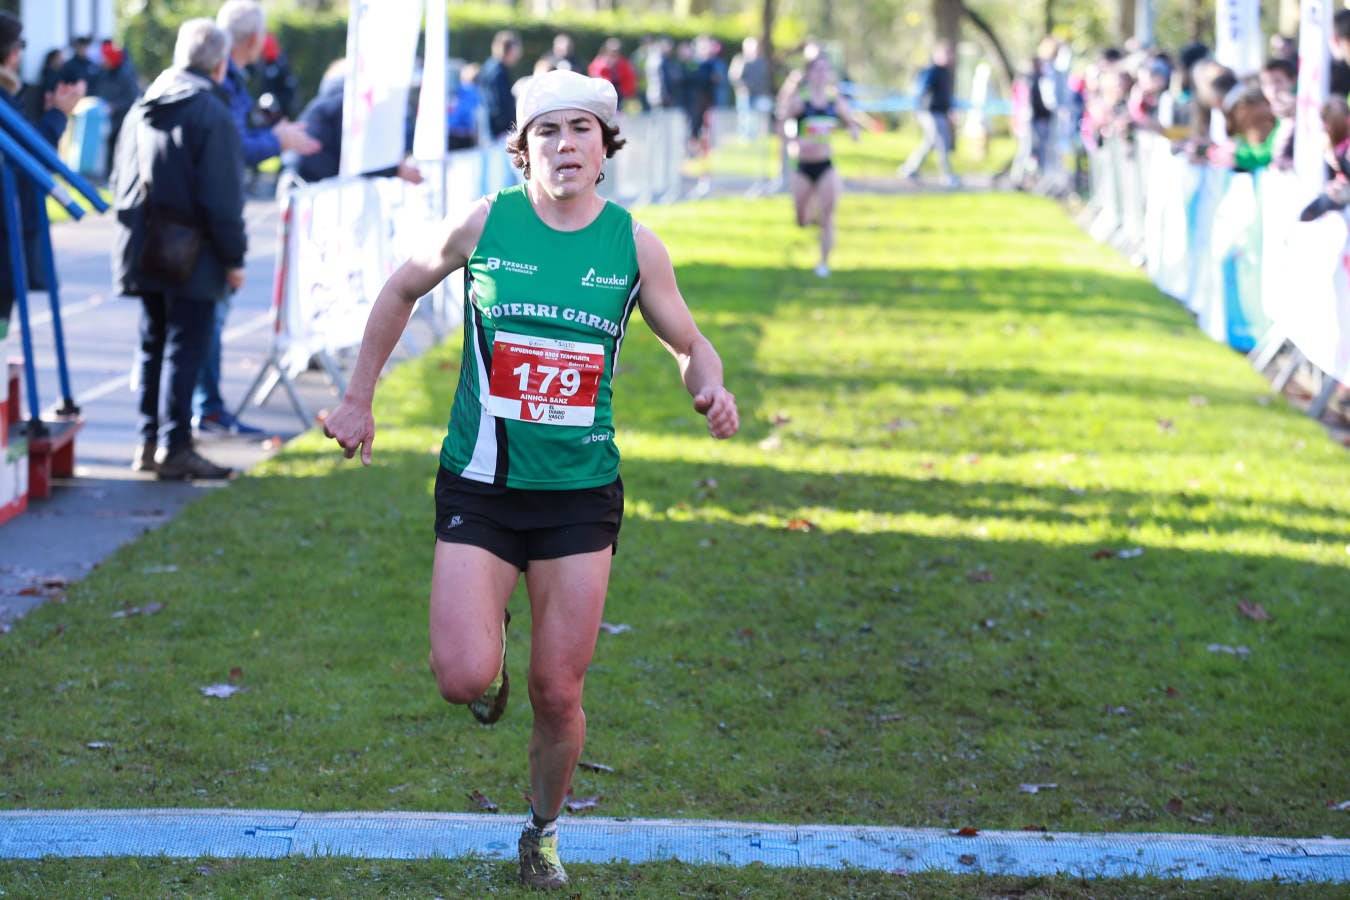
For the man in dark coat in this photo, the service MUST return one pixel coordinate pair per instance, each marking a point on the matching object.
(179, 150)
(50, 124)
(495, 80)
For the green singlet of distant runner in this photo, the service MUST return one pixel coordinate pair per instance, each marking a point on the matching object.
(545, 314)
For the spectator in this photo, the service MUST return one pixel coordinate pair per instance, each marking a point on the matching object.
(51, 69)
(79, 67)
(700, 91)
(118, 87)
(934, 96)
(275, 78)
(179, 165)
(753, 82)
(1336, 151)
(1251, 130)
(494, 82)
(322, 119)
(462, 122)
(611, 65)
(1279, 78)
(1340, 53)
(665, 76)
(243, 20)
(563, 54)
(50, 122)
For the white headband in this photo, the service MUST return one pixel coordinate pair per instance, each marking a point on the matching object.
(561, 89)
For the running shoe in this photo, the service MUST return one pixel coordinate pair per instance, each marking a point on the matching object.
(489, 707)
(822, 270)
(225, 423)
(540, 866)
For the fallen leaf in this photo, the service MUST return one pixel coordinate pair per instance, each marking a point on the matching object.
(1342, 807)
(236, 675)
(1036, 828)
(799, 525)
(1166, 425)
(979, 575)
(482, 802)
(780, 418)
(1171, 691)
(1103, 554)
(1253, 611)
(609, 628)
(967, 832)
(1036, 788)
(222, 691)
(966, 859)
(583, 803)
(595, 767)
(1174, 806)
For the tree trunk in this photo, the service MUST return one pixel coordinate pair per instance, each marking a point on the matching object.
(767, 15)
(1126, 20)
(947, 20)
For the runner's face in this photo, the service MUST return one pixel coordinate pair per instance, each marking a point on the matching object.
(567, 149)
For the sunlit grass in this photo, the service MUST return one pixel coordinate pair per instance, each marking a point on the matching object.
(994, 501)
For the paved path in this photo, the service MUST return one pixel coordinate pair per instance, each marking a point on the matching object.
(61, 538)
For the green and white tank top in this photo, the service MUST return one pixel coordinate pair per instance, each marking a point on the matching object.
(545, 314)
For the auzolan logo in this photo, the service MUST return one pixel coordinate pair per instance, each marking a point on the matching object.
(593, 280)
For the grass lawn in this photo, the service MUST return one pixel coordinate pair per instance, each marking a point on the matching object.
(875, 156)
(999, 515)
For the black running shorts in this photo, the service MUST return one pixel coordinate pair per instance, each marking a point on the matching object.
(519, 525)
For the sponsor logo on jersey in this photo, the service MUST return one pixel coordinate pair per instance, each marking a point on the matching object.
(520, 268)
(593, 280)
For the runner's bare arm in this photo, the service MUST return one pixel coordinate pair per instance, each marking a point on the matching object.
(668, 316)
(352, 424)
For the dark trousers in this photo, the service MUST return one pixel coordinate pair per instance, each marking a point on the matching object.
(175, 330)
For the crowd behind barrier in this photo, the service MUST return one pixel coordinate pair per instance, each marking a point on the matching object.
(1230, 246)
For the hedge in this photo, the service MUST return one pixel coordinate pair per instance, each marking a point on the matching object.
(313, 39)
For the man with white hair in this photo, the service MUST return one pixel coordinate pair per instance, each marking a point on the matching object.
(179, 194)
(244, 22)
(528, 481)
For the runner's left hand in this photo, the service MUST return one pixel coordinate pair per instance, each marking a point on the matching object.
(719, 405)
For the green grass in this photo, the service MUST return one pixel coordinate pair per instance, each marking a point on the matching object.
(876, 155)
(974, 414)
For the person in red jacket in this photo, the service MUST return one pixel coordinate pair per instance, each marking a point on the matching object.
(611, 65)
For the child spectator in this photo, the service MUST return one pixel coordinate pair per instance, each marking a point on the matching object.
(1251, 129)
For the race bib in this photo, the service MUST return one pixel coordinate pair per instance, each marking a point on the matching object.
(544, 380)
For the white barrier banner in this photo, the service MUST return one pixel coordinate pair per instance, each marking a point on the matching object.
(1238, 39)
(1313, 305)
(429, 134)
(381, 53)
(1314, 67)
